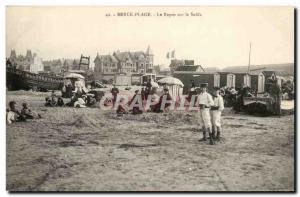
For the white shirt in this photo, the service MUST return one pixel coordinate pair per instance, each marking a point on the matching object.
(218, 102)
(205, 99)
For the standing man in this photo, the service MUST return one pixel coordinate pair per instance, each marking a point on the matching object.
(114, 92)
(275, 93)
(217, 109)
(205, 102)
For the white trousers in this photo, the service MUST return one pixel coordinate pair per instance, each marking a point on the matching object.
(216, 118)
(204, 118)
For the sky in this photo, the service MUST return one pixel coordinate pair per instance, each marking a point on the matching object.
(215, 37)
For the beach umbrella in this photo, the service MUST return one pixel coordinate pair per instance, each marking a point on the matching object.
(74, 75)
(170, 81)
(154, 84)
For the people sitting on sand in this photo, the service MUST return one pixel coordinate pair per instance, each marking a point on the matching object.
(122, 107)
(157, 107)
(50, 102)
(13, 115)
(136, 109)
(28, 114)
(80, 103)
(60, 102)
(89, 99)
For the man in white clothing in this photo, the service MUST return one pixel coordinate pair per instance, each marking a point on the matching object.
(205, 102)
(216, 110)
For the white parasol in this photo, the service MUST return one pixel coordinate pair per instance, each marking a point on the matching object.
(74, 75)
(170, 81)
(154, 84)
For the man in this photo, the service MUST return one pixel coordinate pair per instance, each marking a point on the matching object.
(205, 102)
(148, 89)
(143, 93)
(114, 92)
(217, 109)
(275, 93)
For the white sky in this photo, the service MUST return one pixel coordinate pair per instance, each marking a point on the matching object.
(220, 37)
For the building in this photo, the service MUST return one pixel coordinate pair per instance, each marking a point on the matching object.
(21, 62)
(70, 64)
(242, 80)
(125, 62)
(53, 66)
(175, 63)
(257, 81)
(187, 77)
(105, 64)
(227, 79)
(37, 65)
(189, 68)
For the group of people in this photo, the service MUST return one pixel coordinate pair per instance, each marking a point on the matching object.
(210, 110)
(139, 104)
(79, 96)
(15, 115)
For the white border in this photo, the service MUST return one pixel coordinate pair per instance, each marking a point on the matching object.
(5, 3)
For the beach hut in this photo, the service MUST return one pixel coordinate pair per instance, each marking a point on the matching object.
(274, 74)
(174, 85)
(241, 80)
(258, 82)
(227, 79)
(186, 79)
(213, 79)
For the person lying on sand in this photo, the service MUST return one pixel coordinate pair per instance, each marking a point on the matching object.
(28, 114)
(13, 115)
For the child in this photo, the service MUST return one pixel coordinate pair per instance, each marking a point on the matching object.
(27, 113)
(13, 115)
(216, 110)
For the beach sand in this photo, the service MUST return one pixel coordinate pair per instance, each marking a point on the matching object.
(87, 149)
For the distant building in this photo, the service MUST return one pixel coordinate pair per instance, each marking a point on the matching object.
(175, 63)
(21, 62)
(105, 64)
(196, 68)
(125, 62)
(70, 64)
(37, 65)
(54, 66)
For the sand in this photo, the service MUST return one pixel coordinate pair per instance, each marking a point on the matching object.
(88, 149)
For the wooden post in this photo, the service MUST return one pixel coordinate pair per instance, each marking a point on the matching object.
(249, 58)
